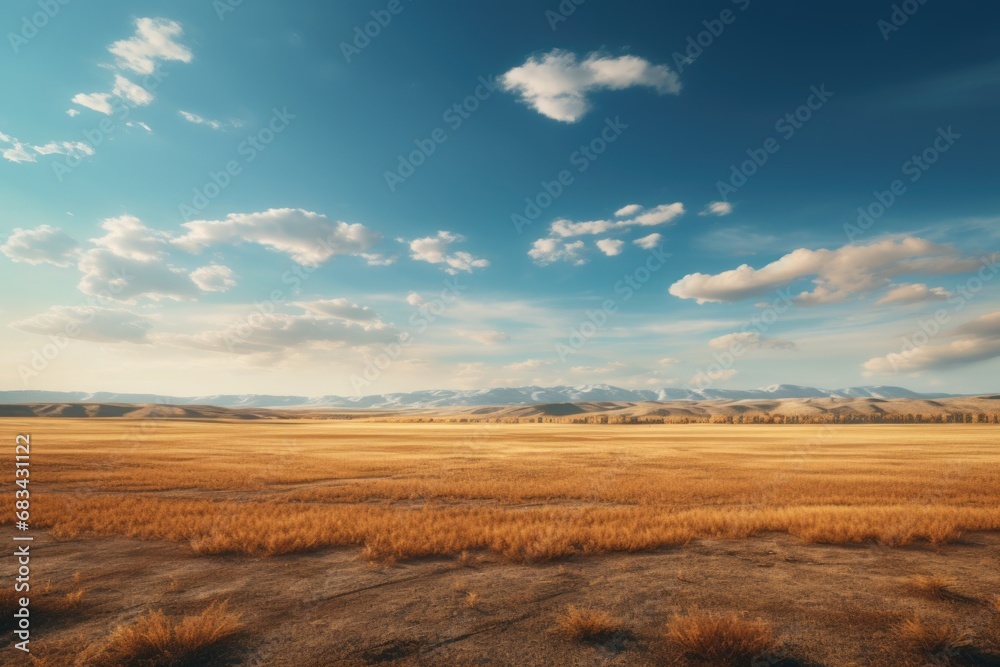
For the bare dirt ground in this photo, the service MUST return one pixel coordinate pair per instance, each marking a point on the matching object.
(831, 605)
(340, 603)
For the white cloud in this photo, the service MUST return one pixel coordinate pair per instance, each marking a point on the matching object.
(546, 251)
(214, 278)
(377, 259)
(669, 361)
(907, 293)
(610, 247)
(281, 334)
(342, 309)
(649, 242)
(838, 273)
(662, 214)
(72, 112)
(126, 279)
(100, 325)
(42, 245)
(208, 122)
(972, 342)
(127, 236)
(749, 340)
(153, 41)
(64, 148)
(556, 84)
(718, 208)
(99, 102)
(139, 123)
(627, 210)
(414, 299)
(434, 249)
(308, 238)
(134, 93)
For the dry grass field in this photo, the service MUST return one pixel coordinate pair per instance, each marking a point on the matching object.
(312, 542)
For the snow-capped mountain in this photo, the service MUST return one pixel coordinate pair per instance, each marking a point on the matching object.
(446, 397)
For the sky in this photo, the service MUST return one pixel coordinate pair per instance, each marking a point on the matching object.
(369, 197)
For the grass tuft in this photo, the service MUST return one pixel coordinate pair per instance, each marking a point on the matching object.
(932, 586)
(154, 640)
(933, 638)
(725, 640)
(586, 624)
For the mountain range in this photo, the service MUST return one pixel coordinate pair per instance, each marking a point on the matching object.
(530, 395)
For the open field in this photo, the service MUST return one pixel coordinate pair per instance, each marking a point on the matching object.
(354, 543)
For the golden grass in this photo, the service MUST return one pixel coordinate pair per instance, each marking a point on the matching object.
(933, 638)
(528, 492)
(724, 640)
(48, 602)
(154, 640)
(586, 624)
(932, 586)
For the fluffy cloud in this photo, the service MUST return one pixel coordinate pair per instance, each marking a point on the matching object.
(610, 247)
(43, 245)
(153, 41)
(718, 208)
(749, 340)
(214, 278)
(414, 299)
(837, 273)
(127, 90)
(101, 325)
(280, 334)
(556, 84)
(99, 102)
(975, 341)
(434, 249)
(127, 236)
(546, 251)
(662, 214)
(127, 279)
(308, 238)
(908, 293)
(627, 210)
(649, 242)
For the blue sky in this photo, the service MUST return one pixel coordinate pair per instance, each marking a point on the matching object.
(249, 197)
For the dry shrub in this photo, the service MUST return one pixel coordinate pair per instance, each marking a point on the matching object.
(933, 638)
(154, 640)
(47, 603)
(472, 600)
(932, 586)
(586, 624)
(726, 640)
